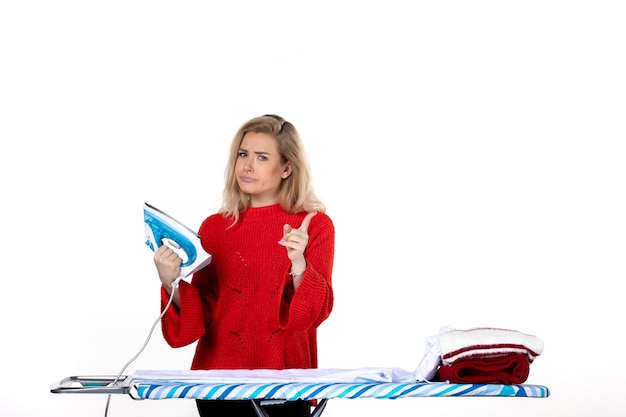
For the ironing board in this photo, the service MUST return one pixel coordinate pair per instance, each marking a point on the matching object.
(263, 393)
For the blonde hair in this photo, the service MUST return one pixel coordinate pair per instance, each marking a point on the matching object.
(296, 192)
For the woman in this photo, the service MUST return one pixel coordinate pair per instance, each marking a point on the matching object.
(258, 304)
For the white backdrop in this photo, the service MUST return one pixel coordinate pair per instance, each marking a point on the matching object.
(470, 154)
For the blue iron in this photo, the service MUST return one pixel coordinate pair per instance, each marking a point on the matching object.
(163, 229)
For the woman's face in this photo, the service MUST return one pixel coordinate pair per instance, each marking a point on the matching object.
(259, 170)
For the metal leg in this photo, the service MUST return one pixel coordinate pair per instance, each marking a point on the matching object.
(258, 408)
(319, 408)
(260, 411)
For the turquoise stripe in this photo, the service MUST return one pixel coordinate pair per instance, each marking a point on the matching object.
(411, 388)
(256, 392)
(302, 391)
(211, 394)
(318, 390)
(445, 391)
(346, 391)
(363, 390)
(150, 389)
(275, 389)
(470, 388)
(227, 391)
(426, 387)
(186, 389)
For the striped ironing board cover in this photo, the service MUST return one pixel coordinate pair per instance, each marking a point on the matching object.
(309, 391)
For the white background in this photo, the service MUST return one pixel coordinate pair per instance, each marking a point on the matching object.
(470, 154)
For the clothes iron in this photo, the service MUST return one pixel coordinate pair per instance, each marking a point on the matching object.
(164, 229)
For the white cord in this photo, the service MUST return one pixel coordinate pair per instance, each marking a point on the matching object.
(174, 287)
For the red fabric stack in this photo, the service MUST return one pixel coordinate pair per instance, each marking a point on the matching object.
(486, 356)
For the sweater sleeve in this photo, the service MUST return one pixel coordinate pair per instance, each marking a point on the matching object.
(186, 324)
(312, 302)
(182, 326)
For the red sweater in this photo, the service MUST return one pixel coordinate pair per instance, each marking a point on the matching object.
(242, 308)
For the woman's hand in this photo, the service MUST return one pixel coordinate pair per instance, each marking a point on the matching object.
(295, 240)
(168, 265)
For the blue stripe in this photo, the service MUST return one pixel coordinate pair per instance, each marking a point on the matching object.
(257, 391)
(274, 390)
(345, 392)
(364, 389)
(185, 390)
(150, 389)
(320, 389)
(227, 391)
(521, 392)
(471, 388)
(211, 394)
(445, 391)
(411, 388)
(312, 390)
(170, 392)
(426, 387)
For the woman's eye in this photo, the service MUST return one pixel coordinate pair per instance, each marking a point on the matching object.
(242, 154)
(262, 158)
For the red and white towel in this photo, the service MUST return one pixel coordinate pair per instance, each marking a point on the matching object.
(483, 342)
(479, 355)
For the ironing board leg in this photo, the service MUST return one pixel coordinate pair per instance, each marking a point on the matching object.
(260, 411)
(317, 412)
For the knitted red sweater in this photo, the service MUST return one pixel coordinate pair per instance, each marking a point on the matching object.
(242, 308)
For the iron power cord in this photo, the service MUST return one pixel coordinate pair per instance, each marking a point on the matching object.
(119, 375)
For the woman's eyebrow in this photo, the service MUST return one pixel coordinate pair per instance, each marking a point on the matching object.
(256, 152)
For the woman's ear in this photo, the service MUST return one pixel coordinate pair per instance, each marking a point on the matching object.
(286, 171)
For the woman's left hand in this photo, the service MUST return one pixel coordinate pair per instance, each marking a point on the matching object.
(295, 240)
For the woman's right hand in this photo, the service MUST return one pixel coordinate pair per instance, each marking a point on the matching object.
(168, 265)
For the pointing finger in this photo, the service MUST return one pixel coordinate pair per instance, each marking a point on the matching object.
(307, 220)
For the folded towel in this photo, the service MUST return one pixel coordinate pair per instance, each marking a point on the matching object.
(507, 369)
(483, 342)
(451, 345)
